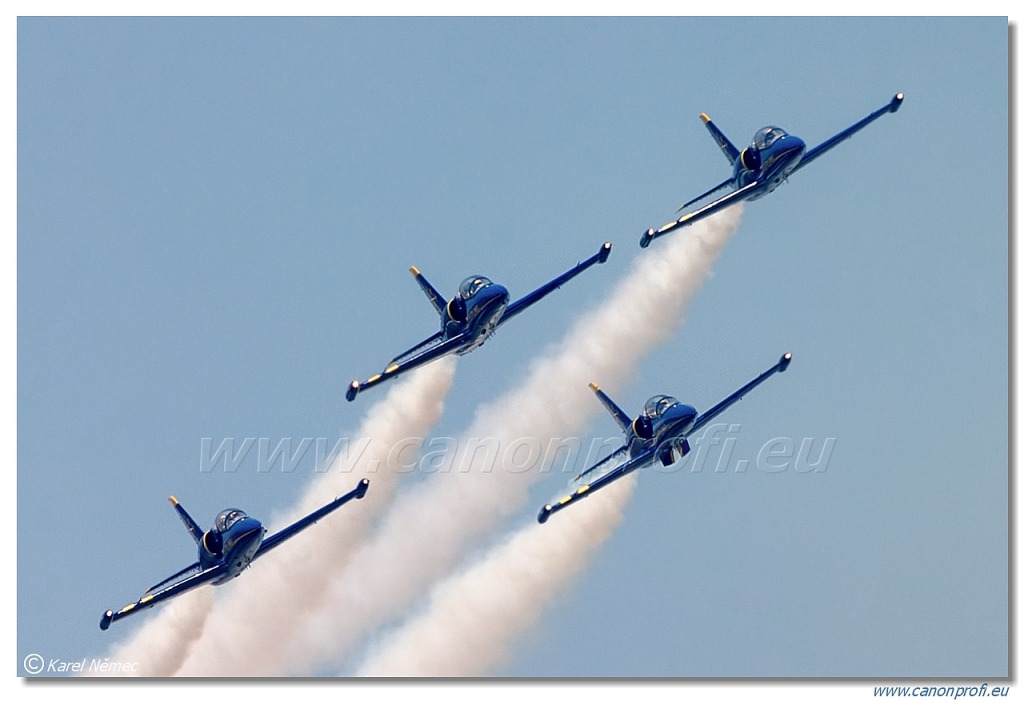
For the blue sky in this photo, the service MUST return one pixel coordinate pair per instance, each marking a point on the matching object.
(215, 217)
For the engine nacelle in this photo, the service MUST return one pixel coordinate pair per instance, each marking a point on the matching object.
(643, 428)
(213, 543)
(751, 158)
(456, 310)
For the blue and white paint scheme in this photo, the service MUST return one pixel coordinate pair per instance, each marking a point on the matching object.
(225, 551)
(657, 433)
(467, 319)
(772, 156)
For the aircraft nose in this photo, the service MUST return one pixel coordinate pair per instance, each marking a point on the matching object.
(245, 534)
(253, 532)
(494, 292)
(679, 415)
(249, 526)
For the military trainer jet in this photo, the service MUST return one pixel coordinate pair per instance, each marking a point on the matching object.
(661, 428)
(467, 319)
(757, 170)
(224, 551)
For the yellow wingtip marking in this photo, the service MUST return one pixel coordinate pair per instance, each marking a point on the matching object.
(172, 500)
(593, 386)
(390, 369)
(373, 379)
(148, 597)
(704, 118)
(127, 608)
(414, 270)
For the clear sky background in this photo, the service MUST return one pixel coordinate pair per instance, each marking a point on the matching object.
(215, 217)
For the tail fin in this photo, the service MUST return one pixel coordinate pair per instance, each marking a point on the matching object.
(621, 418)
(191, 526)
(730, 151)
(433, 295)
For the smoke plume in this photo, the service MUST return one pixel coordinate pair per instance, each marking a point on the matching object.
(475, 616)
(432, 525)
(239, 635)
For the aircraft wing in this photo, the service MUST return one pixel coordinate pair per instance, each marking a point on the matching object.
(702, 213)
(407, 361)
(717, 409)
(272, 541)
(602, 481)
(521, 304)
(818, 150)
(422, 345)
(722, 185)
(165, 590)
(615, 454)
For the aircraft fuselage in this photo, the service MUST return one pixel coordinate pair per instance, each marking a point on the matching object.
(674, 423)
(777, 161)
(483, 314)
(671, 426)
(240, 543)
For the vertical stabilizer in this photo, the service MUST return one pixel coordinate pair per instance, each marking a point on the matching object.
(433, 295)
(730, 151)
(621, 418)
(191, 526)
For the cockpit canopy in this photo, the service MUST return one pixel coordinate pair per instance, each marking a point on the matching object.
(766, 136)
(657, 405)
(471, 285)
(227, 518)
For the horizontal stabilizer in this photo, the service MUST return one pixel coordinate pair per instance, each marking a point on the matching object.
(594, 468)
(428, 350)
(436, 338)
(174, 578)
(706, 211)
(188, 579)
(595, 484)
(725, 183)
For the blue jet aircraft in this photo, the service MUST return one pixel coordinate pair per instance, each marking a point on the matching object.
(225, 551)
(661, 428)
(772, 156)
(467, 319)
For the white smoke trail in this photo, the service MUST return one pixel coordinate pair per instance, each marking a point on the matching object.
(431, 526)
(254, 612)
(474, 616)
(159, 648)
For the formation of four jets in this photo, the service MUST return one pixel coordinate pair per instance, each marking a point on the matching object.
(469, 318)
